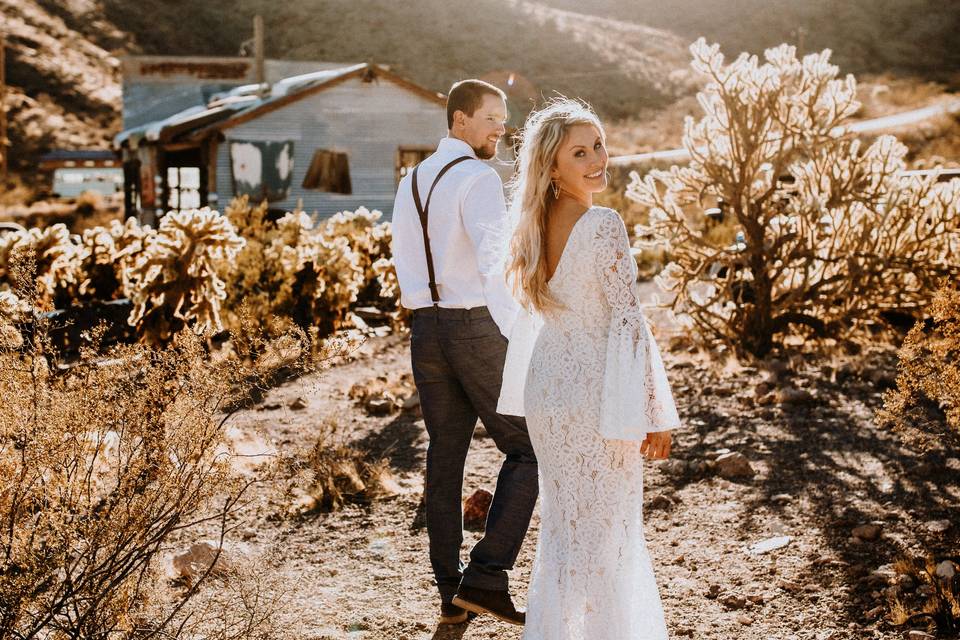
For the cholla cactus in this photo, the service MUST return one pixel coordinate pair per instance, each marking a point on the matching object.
(827, 234)
(249, 276)
(369, 240)
(8, 242)
(128, 240)
(294, 244)
(57, 255)
(322, 275)
(340, 277)
(387, 277)
(98, 267)
(175, 280)
(13, 311)
(289, 269)
(11, 307)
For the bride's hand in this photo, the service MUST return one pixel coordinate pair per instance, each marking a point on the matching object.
(656, 446)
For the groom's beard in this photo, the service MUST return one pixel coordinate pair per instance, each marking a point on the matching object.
(486, 152)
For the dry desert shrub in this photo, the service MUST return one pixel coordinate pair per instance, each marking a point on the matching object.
(247, 599)
(928, 594)
(925, 405)
(102, 463)
(829, 236)
(334, 472)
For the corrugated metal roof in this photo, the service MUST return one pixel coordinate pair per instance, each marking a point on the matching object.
(156, 87)
(186, 120)
(238, 102)
(295, 84)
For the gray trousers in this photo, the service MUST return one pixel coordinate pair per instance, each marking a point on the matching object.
(458, 357)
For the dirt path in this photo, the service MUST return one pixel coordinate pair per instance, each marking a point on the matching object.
(822, 468)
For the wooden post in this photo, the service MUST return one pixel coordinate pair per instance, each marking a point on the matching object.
(258, 51)
(4, 145)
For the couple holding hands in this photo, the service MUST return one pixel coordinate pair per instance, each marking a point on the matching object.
(526, 316)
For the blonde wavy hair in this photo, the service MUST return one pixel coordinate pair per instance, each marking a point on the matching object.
(531, 196)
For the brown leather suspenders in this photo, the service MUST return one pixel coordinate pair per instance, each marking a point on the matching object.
(423, 210)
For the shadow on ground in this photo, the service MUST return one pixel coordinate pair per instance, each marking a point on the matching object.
(839, 468)
(400, 441)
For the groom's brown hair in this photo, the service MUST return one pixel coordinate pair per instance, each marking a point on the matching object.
(467, 95)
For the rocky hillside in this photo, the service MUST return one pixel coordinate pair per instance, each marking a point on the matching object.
(617, 66)
(625, 58)
(64, 85)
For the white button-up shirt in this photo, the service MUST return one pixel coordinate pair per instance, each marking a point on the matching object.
(469, 234)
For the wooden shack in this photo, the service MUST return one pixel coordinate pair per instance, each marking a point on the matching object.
(333, 140)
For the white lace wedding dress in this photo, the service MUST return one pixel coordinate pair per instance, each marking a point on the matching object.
(591, 383)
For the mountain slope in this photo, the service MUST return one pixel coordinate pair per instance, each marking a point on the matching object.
(623, 57)
(916, 37)
(435, 42)
(64, 89)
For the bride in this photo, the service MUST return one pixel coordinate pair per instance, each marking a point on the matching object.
(584, 369)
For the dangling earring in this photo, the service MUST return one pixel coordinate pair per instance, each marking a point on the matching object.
(556, 189)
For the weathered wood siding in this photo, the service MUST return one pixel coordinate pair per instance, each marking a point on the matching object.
(369, 121)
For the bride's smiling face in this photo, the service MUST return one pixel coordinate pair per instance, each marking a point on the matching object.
(581, 162)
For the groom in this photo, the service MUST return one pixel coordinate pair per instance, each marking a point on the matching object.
(448, 216)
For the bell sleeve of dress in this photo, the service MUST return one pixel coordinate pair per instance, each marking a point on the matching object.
(636, 397)
(523, 335)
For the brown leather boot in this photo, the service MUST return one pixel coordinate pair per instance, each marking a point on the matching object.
(452, 614)
(496, 603)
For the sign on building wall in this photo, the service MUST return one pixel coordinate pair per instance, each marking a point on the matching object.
(176, 69)
(262, 170)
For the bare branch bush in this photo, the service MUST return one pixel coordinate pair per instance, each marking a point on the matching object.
(105, 461)
(248, 600)
(829, 236)
(334, 472)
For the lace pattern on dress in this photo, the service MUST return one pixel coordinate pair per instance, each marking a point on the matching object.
(592, 577)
